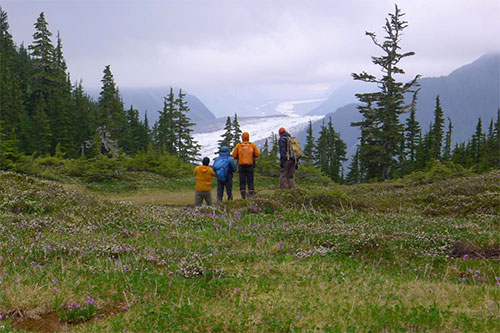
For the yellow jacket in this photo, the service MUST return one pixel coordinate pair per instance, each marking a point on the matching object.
(203, 176)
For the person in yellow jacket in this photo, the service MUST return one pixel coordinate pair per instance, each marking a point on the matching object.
(204, 175)
(246, 153)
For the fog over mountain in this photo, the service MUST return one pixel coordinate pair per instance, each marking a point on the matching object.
(151, 100)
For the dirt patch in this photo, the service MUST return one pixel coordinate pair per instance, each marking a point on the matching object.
(466, 250)
(50, 322)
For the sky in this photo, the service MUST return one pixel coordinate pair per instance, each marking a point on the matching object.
(253, 49)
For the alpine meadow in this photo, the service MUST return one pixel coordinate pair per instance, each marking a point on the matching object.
(99, 231)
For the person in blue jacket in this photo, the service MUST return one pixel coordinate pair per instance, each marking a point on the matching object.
(224, 167)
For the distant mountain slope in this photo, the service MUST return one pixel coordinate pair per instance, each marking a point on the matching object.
(469, 92)
(151, 100)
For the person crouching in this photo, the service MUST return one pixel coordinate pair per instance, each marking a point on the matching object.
(204, 175)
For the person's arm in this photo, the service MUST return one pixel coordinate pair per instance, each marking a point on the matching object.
(235, 151)
(255, 151)
(233, 165)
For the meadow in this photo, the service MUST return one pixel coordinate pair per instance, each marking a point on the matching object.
(136, 256)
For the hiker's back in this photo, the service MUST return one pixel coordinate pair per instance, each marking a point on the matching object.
(246, 154)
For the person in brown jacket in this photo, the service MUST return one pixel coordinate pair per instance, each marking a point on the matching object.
(246, 153)
(204, 175)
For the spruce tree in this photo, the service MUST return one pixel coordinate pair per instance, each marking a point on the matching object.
(164, 128)
(236, 131)
(447, 142)
(227, 136)
(11, 103)
(321, 149)
(476, 143)
(436, 136)
(309, 147)
(43, 81)
(354, 174)
(412, 131)
(111, 114)
(187, 148)
(380, 126)
(84, 113)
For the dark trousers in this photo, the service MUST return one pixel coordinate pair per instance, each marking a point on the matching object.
(228, 185)
(246, 179)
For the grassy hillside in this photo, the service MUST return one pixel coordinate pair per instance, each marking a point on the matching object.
(407, 256)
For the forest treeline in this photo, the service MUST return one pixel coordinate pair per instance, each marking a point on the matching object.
(45, 117)
(42, 113)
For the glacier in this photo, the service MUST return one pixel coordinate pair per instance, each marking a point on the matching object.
(259, 129)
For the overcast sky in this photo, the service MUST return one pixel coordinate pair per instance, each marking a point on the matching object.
(204, 45)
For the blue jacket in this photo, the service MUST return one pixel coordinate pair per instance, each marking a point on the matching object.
(224, 154)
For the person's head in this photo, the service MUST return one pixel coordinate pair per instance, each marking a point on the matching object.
(224, 150)
(245, 136)
(206, 161)
(282, 130)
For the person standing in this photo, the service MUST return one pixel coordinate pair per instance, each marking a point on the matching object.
(203, 174)
(246, 153)
(224, 166)
(288, 164)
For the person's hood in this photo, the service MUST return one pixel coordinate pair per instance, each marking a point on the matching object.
(245, 136)
(204, 168)
(224, 151)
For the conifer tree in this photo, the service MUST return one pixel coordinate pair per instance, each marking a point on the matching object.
(165, 127)
(412, 131)
(84, 113)
(11, 103)
(476, 143)
(354, 174)
(309, 147)
(236, 131)
(447, 142)
(43, 80)
(265, 149)
(187, 148)
(111, 114)
(321, 149)
(227, 136)
(436, 136)
(381, 110)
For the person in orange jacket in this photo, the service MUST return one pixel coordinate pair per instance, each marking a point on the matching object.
(204, 175)
(246, 153)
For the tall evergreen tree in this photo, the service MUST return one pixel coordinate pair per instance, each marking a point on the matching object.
(111, 114)
(412, 131)
(447, 142)
(380, 126)
(43, 83)
(354, 174)
(11, 103)
(436, 135)
(308, 155)
(187, 148)
(84, 113)
(236, 131)
(227, 136)
(165, 127)
(321, 149)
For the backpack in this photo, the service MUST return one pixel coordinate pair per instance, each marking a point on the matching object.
(221, 167)
(293, 148)
(245, 154)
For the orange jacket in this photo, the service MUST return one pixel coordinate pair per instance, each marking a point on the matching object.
(204, 176)
(236, 152)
